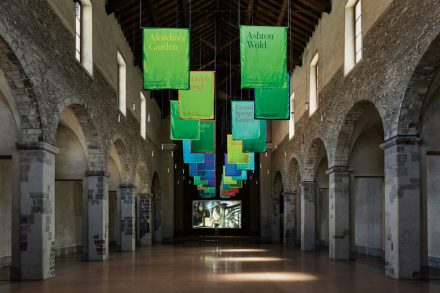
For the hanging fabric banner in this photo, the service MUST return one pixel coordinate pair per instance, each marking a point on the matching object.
(242, 176)
(166, 54)
(235, 151)
(197, 103)
(263, 56)
(256, 145)
(273, 103)
(189, 157)
(231, 169)
(207, 175)
(244, 124)
(206, 143)
(206, 195)
(210, 190)
(197, 181)
(210, 183)
(208, 165)
(193, 169)
(250, 166)
(182, 129)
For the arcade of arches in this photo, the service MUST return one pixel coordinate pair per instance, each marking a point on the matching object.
(352, 188)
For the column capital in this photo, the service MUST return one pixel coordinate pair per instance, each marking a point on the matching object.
(127, 185)
(401, 140)
(270, 147)
(97, 173)
(145, 195)
(338, 169)
(168, 146)
(41, 145)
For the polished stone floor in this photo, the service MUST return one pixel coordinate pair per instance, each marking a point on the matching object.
(229, 269)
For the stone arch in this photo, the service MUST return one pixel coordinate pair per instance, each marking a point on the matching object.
(24, 94)
(93, 147)
(417, 90)
(294, 174)
(345, 136)
(277, 186)
(127, 170)
(316, 152)
(155, 185)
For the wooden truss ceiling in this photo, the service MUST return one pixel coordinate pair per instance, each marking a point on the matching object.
(215, 29)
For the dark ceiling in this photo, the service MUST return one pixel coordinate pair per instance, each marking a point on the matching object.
(215, 31)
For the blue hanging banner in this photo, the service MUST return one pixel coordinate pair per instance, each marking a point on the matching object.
(209, 163)
(242, 176)
(231, 169)
(189, 157)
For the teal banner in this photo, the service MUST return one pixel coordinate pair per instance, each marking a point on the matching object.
(244, 124)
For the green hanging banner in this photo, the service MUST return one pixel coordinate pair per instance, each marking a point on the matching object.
(235, 152)
(166, 54)
(197, 103)
(263, 56)
(250, 166)
(256, 145)
(182, 129)
(206, 143)
(273, 103)
(197, 181)
(244, 125)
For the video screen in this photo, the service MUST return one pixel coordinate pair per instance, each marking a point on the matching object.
(223, 214)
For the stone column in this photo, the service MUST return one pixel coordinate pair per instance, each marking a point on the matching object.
(97, 214)
(167, 182)
(128, 236)
(289, 218)
(144, 219)
(275, 224)
(308, 199)
(402, 207)
(339, 213)
(37, 211)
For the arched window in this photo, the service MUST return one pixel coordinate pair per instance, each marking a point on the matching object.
(84, 34)
(122, 85)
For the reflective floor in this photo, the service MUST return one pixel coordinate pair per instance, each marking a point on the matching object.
(253, 269)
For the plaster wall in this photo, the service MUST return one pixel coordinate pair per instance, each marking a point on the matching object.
(430, 153)
(68, 214)
(5, 211)
(367, 191)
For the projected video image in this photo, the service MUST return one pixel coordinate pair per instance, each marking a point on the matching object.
(212, 213)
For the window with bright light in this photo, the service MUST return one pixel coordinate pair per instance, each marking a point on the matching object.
(353, 34)
(122, 85)
(78, 31)
(84, 34)
(314, 84)
(143, 116)
(358, 31)
(292, 116)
